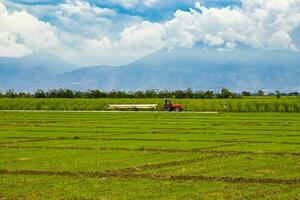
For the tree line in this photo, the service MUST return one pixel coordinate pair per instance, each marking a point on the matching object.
(179, 94)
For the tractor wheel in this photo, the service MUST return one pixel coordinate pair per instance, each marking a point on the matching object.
(177, 110)
(166, 109)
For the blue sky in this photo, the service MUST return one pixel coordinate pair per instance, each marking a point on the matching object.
(120, 31)
(157, 11)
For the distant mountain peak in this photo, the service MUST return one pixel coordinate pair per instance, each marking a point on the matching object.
(42, 61)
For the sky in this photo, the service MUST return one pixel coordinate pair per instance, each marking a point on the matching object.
(116, 32)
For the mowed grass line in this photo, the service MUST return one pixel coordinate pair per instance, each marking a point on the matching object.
(156, 177)
(257, 154)
(32, 140)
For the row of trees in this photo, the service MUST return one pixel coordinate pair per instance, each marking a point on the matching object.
(180, 94)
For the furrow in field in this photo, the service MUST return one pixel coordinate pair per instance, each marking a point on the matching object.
(118, 148)
(42, 139)
(127, 131)
(205, 150)
(271, 134)
(197, 140)
(228, 179)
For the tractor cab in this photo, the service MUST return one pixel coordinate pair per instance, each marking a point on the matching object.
(169, 106)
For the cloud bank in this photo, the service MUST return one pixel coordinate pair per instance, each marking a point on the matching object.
(22, 34)
(89, 34)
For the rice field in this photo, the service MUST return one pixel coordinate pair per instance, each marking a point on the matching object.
(59, 155)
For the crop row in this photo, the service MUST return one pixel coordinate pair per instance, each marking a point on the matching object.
(233, 105)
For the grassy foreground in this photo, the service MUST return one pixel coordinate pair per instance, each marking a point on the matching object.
(234, 105)
(149, 156)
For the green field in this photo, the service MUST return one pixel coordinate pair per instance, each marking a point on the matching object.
(57, 155)
(263, 104)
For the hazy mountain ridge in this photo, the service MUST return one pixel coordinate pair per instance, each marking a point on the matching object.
(181, 68)
(31, 72)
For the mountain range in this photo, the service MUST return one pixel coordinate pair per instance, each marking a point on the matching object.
(198, 68)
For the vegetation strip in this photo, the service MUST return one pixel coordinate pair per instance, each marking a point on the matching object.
(205, 150)
(39, 139)
(157, 132)
(262, 104)
(198, 140)
(117, 148)
(154, 176)
(25, 141)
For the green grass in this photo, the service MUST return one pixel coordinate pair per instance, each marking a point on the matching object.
(46, 155)
(265, 104)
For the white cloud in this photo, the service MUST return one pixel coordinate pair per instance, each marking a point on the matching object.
(198, 5)
(150, 3)
(126, 3)
(144, 35)
(129, 4)
(272, 19)
(10, 48)
(230, 45)
(3, 9)
(94, 44)
(133, 42)
(261, 24)
(84, 9)
(21, 34)
(280, 39)
(213, 40)
(92, 35)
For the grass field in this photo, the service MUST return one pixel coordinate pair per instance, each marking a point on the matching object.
(262, 104)
(149, 155)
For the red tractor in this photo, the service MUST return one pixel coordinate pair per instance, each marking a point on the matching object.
(169, 106)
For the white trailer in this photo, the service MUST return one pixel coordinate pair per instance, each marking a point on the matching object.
(132, 107)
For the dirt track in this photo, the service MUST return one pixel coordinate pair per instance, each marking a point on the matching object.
(103, 111)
